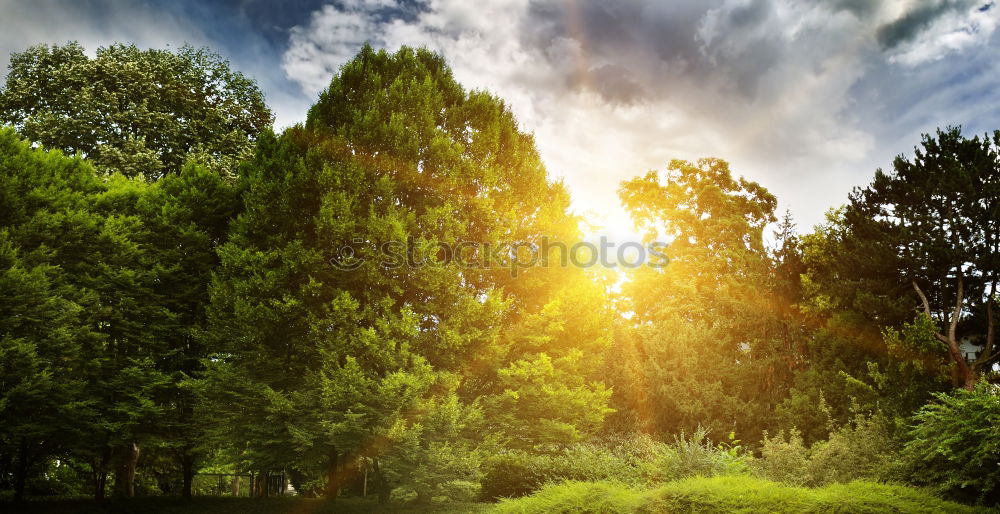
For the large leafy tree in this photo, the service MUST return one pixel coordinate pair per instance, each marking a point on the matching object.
(136, 112)
(710, 338)
(325, 357)
(850, 296)
(187, 216)
(45, 329)
(149, 252)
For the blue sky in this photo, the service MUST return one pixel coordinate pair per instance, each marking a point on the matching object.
(807, 97)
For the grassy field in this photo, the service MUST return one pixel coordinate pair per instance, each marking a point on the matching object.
(742, 494)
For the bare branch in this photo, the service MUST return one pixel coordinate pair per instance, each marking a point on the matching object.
(958, 309)
(923, 298)
(990, 326)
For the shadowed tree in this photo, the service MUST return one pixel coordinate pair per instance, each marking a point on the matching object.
(937, 217)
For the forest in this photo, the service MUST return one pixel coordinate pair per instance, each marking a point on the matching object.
(193, 305)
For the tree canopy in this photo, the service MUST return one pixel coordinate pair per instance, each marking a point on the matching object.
(132, 111)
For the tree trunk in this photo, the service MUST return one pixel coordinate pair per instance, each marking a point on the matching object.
(187, 465)
(99, 468)
(990, 326)
(21, 470)
(100, 483)
(236, 482)
(332, 478)
(125, 476)
(966, 373)
(380, 482)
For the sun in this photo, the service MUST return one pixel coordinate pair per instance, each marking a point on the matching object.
(610, 222)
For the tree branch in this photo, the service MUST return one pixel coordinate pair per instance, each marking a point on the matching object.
(958, 310)
(990, 326)
(923, 298)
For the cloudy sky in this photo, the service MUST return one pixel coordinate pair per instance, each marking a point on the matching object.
(807, 97)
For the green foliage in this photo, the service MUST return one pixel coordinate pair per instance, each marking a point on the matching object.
(636, 460)
(131, 111)
(47, 326)
(316, 362)
(862, 449)
(698, 456)
(210, 322)
(727, 494)
(519, 473)
(219, 505)
(955, 444)
(434, 454)
(579, 497)
(712, 333)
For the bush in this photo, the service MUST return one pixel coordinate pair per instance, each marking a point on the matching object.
(784, 460)
(728, 494)
(955, 444)
(511, 475)
(862, 449)
(632, 461)
(697, 456)
(579, 497)
(519, 473)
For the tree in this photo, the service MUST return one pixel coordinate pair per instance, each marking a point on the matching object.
(324, 360)
(44, 329)
(850, 297)
(188, 216)
(936, 217)
(708, 324)
(136, 112)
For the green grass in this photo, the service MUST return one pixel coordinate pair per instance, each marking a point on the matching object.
(206, 505)
(742, 494)
(725, 494)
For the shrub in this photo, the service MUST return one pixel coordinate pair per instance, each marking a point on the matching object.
(784, 459)
(579, 497)
(632, 461)
(955, 444)
(697, 456)
(511, 475)
(862, 449)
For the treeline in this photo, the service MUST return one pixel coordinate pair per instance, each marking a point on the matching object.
(174, 300)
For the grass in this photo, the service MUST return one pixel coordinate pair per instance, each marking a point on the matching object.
(206, 505)
(727, 494)
(723, 494)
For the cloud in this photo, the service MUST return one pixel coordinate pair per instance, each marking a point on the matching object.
(95, 24)
(931, 30)
(918, 19)
(807, 98)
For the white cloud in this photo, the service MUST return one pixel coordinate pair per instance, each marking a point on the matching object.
(797, 95)
(94, 25)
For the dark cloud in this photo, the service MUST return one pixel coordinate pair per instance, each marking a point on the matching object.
(613, 82)
(269, 19)
(911, 24)
(751, 14)
(666, 30)
(859, 8)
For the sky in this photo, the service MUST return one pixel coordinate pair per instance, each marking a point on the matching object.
(806, 97)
